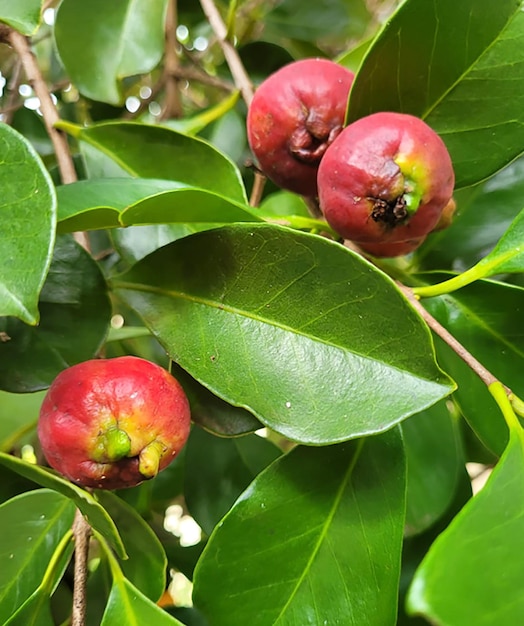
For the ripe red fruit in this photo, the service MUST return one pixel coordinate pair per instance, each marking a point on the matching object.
(294, 116)
(113, 423)
(387, 177)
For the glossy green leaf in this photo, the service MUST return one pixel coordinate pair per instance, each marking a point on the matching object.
(110, 202)
(94, 512)
(436, 61)
(282, 203)
(315, 537)
(18, 412)
(484, 214)
(486, 317)
(157, 152)
(471, 575)
(100, 43)
(194, 124)
(305, 334)
(147, 562)
(211, 412)
(22, 15)
(33, 525)
(75, 314)
(434, 461)
(218, 470)
(127, 605)
(28, 211)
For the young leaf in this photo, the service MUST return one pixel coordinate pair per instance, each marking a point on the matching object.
(470, 575)
(147, 562)
(33, 525)
(218, 470)
(94, 512)
(28, 210)
(112, 202)
(315, 537)
(127, 605)
(75, 310)
(452, 52)
(101, 43)
(22, 15)
(157, 152)
(305, 334)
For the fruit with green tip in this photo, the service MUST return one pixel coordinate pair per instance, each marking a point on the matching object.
(294, 116)
(113, 423)
(386, 177)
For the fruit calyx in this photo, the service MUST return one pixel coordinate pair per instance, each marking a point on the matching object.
(149, 458)
(309, 143)
(390, 213)
(111, 445)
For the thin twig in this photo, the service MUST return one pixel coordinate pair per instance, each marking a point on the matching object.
(82, 534)
(50, 115)
(485, 375)
(172, 104)
(12, 103)
(240, 76)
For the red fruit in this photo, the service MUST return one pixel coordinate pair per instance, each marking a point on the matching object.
(294, 116)
(387, 177)
(391, 248)
(113, 423)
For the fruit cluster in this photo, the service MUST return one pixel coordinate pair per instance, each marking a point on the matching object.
(385, 181)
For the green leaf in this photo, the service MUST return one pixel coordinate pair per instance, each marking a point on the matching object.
(101, 43)
(471, 575)
(112, 202)
(434, 460)
(486, 317)
(28, 211)
(147, 562)
(96, 515)
(33, 524)
(35, 611)
(22, 15)
(218, 470)
(18, 412)
(315, 537)
(75, 314)
(196, 123)
(127, 605)
(484, 214)
(157, 152)
(435, 61)
(212, 413)
(305, 334)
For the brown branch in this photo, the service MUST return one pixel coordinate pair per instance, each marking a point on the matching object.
(484, 374)
(50, 115)
(82, 534)
(240, 76)
(172, 104)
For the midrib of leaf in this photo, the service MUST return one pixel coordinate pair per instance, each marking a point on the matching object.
(468, 69)
(249, 315)
(325, 527)
(489, 266)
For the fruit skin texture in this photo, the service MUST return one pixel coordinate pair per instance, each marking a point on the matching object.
(386, 177)
(294, 115)
(113, 423)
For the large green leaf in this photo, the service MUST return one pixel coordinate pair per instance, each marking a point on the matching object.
(127, 605)
(75, 314)
(94, 512)
(22, 15)
(434, 461)
(436, 61)
(33, 525)
(307, 335)
(472, 573)
(100, 43)
(112, 202)
(147, 562)
(218, 470)
(18, 413)
(28, 213)
(157, 152)
(315, 537)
